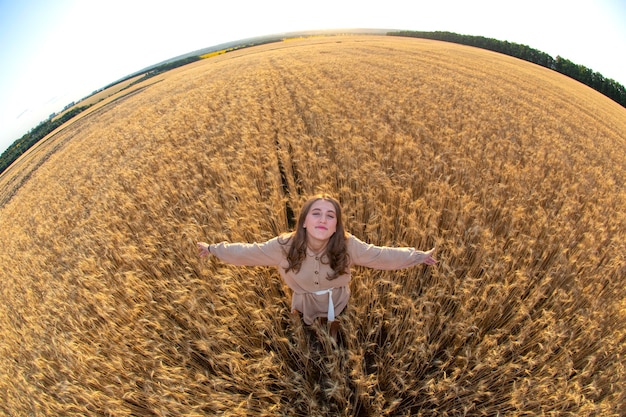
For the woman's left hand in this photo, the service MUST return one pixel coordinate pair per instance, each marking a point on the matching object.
(203, 249)
(429, 259)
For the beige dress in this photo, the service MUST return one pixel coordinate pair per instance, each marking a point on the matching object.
(314, 295)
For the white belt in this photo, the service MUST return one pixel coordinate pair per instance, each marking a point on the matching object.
(331, 304)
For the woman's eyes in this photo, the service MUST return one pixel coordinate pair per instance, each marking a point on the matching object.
(317, 213)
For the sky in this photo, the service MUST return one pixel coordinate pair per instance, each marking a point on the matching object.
(54, 52)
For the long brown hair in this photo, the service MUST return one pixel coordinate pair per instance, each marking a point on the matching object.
(336, 251)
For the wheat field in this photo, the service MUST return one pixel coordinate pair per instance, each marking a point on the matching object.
(515, 172)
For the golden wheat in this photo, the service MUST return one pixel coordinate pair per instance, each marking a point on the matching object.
(516, 173)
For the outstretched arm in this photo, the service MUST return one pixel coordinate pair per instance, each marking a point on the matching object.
(249, 254)
(385, 257)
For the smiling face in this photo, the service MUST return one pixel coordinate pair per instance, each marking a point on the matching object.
(320, 222)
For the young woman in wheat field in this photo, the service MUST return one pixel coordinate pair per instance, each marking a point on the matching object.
(315, 259)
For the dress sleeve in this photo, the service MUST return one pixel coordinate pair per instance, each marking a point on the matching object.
(382, 257)
(268, 253)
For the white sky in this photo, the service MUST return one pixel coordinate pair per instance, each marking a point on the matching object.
(53, 52)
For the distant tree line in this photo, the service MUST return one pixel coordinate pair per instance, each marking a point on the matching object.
(595, 80)
(46, 127)
(166, 67)
(35, 135)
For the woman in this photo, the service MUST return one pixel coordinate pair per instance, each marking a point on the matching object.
(315, 260)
